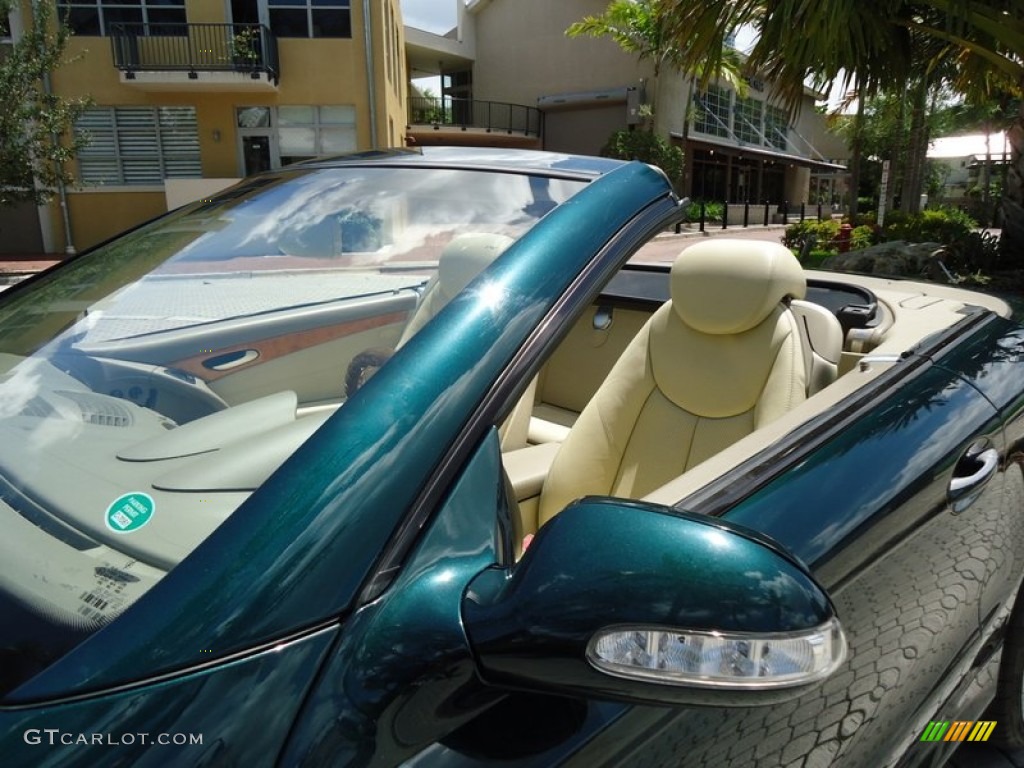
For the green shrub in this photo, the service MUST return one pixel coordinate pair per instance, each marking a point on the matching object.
(974, 252)
(862, 237)
(825, 236)
(939, 225)
(823, 232)
(712, 211)
(646, 147)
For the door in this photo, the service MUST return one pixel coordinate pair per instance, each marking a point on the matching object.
(257, 140)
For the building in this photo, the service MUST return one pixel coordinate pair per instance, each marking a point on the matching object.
(515, 52)
(963, 160)
(190, 95)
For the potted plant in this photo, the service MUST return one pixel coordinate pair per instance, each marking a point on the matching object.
(244, 47)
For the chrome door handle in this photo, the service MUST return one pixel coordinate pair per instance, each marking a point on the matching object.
(989, 460)
(971, 474)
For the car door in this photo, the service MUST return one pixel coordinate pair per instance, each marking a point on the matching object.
(993, 363)
(866, 504)
(863, 495)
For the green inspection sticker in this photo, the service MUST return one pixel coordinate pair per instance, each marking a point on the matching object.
(130, 512)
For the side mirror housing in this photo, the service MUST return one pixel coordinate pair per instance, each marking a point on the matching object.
(632, 601)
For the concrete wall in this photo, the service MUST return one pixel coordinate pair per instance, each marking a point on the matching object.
(523, 52)
(584, 130)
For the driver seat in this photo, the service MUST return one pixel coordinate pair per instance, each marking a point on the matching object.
(462, 259)
(721, 358)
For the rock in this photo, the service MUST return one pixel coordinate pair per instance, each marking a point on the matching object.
(896, 258)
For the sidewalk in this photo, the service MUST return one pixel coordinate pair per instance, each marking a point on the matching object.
(14, 267)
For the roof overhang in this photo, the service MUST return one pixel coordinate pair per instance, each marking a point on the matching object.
(763, 153)
(583, 98)
(429, 54)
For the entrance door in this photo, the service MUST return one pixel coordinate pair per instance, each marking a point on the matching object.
(256, 154)
(257, 142)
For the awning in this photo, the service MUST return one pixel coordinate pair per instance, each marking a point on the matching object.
(761, 152)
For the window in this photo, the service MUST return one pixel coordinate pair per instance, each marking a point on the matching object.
(305, 132)
(138, 145)
(96, 17)
(712, 111)
(310, 18)
(747, 122)
(776, 127)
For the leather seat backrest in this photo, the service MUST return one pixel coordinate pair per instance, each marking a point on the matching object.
(721, 358)
(465, 257)
(822, 335)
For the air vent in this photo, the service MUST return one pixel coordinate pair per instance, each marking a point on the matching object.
(100, 410)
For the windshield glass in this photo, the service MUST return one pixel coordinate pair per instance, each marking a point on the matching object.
(150, 386)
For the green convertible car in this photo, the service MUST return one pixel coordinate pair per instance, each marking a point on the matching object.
(404, 459)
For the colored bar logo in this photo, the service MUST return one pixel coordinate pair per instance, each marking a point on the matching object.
(958, 730)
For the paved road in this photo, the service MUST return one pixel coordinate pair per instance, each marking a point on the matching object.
(666, 247)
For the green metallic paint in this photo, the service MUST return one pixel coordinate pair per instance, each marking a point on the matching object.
(819, 508)
(339, 498)
(403, 675)
(243, 709)
(605, 563)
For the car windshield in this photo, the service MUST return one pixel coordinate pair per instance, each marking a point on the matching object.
(150, 386)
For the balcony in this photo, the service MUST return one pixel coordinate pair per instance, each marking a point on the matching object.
(447, 120)
(213, 57)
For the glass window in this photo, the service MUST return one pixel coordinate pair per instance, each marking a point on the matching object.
(138, 145)
(747, 122)
(712, 111)
(118, 369)
(305, 132)
(776, 127)
(254, 117)
(310, 18)
(97, 17)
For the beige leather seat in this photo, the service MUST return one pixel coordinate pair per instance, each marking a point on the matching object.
(723, 357)
(465, 257)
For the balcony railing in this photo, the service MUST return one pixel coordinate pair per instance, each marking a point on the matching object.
(492, 116)
(195, 48)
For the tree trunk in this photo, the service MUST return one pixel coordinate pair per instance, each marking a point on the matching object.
(899, 156)
(855, 153)
(1012, 239)
(917, 150)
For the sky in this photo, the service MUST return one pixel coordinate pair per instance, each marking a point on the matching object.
(431, 15)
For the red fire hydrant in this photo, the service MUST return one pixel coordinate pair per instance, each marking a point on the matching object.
(843, 238)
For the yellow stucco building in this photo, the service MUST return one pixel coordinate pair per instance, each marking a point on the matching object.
(203, 92)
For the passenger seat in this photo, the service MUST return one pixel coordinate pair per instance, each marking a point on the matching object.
(724, 356)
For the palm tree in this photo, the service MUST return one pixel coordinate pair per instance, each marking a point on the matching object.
(871, 42)
(639, 27)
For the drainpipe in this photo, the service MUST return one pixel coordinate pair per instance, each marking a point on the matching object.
(371, 80)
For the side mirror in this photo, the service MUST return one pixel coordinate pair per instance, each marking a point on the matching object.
(632, 601)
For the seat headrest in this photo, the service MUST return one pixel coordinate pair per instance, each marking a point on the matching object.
(465, 257)
(724, 286)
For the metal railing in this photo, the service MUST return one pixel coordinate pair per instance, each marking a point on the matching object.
(194, 48)
(469, 113)
(754, 214)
